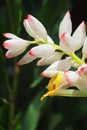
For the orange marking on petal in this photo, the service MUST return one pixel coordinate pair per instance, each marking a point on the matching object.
(54, 86)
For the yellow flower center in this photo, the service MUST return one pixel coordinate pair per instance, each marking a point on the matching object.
(52, 85)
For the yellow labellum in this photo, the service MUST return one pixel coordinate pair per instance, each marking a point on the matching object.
(52, 85)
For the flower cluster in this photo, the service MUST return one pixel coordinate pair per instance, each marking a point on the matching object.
(60, 70)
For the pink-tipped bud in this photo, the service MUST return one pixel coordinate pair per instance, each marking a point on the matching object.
(31, 53)
(63, 35)
(83, 24)
(42, 74)
(68, 13)
(30, 17)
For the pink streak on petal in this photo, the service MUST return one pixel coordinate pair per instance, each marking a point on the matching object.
(81, 71)
(63, 35)
(67, 78)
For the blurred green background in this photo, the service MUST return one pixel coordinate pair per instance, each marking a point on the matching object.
(21, 87)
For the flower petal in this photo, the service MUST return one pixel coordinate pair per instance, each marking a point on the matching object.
(82, 70)
(49, 60)
(76, 80)
(84, 49)
(67, 42)
(65, 25)
(26, 59)
(62, 65)
(37, 28)
(16, 43)
(70, 43)
(28, 28)
(49, 39)
(42, 50)
(79, 35)
(10, 35)
(14, 52)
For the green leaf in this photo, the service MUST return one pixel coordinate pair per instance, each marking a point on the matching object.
(36, 82)
(4, 81)
(15, 14)
(51, 10)
(32, 114)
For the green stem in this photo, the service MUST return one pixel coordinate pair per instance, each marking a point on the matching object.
(12, 95)
(11, 125)
(72, 93)
(77, 59)
(74, 57)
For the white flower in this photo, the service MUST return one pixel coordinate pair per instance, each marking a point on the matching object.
(15, 45)
(70, 43)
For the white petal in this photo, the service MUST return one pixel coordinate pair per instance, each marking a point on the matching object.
(10, 35)
(62, 65)
(49, 39)
(82, 70)
(28, 28)
(49, 60)
(37, 27)
(66, 24)
(26, 59)
(77, 80)
(14, 52)
(66, 42)
(79, 35)
(16, 43)
(84, 50)
(49, 73)
(42, 50)
(70, 44)
(16, 46)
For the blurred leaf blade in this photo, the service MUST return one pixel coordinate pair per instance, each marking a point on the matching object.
(52, 10)
(32, 114)
(14, 8)
(4, 80)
